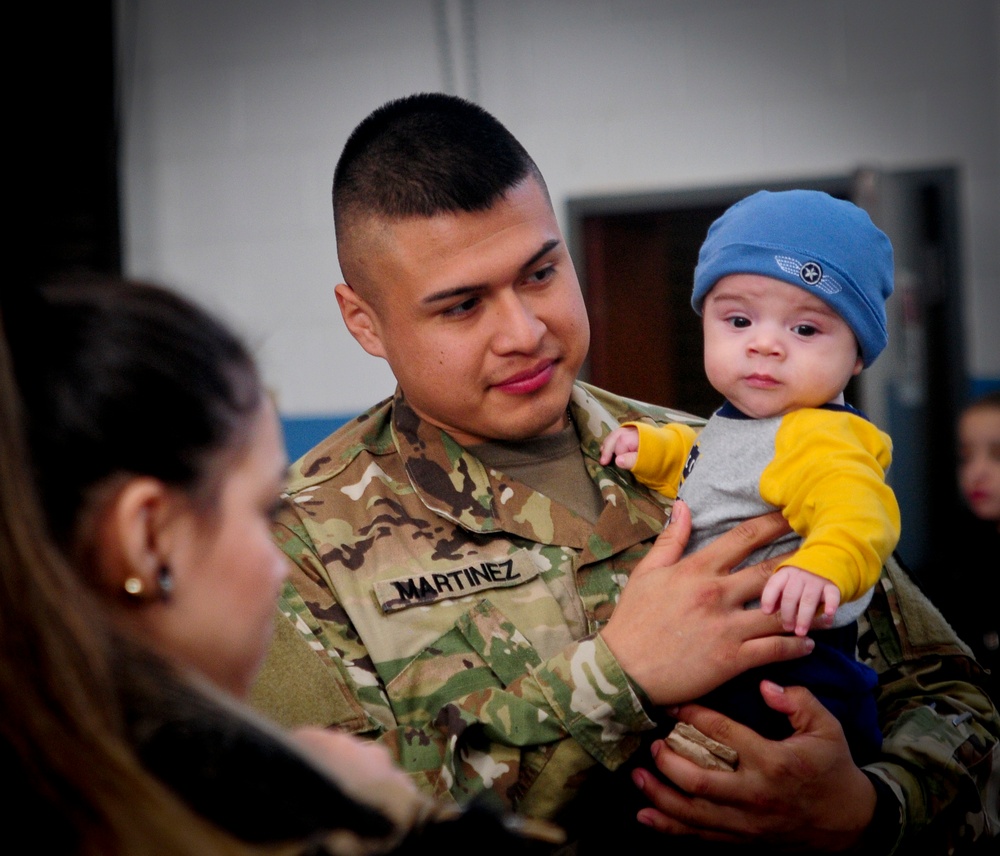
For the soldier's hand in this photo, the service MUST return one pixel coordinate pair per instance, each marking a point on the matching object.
(801, 794)
(680, 629)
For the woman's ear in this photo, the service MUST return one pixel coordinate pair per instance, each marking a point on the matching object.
(361, 320)
(132, 536)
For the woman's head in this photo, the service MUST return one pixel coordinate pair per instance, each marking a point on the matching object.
(158, 459)
(126, 378)
(979, 456)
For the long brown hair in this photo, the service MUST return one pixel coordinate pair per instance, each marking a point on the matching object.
(72, 772)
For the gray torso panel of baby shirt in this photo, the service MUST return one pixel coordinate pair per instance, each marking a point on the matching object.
(721, 486)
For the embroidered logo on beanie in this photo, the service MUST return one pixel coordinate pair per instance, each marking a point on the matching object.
(811, 273)
(810, 239)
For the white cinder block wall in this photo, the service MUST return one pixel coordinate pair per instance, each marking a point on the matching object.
(234, 112)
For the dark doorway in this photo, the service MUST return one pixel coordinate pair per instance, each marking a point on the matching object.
(636, 256)
(646, 343)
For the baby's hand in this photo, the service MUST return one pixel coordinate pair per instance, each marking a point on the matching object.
(622, 444)
(799, 594)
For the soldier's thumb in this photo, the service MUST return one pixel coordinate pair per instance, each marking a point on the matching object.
(669, 545)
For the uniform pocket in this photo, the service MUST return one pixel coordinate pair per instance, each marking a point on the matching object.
(483, 650)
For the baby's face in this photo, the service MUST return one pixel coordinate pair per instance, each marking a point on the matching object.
(772, 347)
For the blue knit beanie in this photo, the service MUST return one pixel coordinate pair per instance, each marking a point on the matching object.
(807, 238)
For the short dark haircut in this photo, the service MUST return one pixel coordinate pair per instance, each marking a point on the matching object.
(424, 155)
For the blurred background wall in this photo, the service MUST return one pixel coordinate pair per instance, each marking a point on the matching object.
(233, 114)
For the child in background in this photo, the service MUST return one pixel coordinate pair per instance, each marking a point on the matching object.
(792, 288)
(975, 533)
(979, 457)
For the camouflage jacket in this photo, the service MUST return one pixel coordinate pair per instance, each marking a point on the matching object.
(452, 613)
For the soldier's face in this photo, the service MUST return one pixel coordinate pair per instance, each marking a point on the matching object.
(480, 317)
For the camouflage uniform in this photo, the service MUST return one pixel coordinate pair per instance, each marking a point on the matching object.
(452, 613)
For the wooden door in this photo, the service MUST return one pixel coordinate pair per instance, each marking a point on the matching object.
(646, 338)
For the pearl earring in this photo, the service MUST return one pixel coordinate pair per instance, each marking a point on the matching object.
(133, 586)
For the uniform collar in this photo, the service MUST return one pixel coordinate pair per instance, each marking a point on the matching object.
(457, 486)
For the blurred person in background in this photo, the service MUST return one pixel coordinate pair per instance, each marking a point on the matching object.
(140, 461)
(960, 583)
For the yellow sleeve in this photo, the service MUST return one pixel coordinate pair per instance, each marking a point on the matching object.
(828, 477)
(663, 450)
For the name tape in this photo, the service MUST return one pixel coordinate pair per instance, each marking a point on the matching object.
(424, 589)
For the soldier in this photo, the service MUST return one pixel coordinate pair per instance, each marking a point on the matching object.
(460, 556)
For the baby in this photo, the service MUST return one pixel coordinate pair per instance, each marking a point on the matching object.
(791, 287)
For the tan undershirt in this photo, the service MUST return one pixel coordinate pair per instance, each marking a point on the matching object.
(552, 465)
